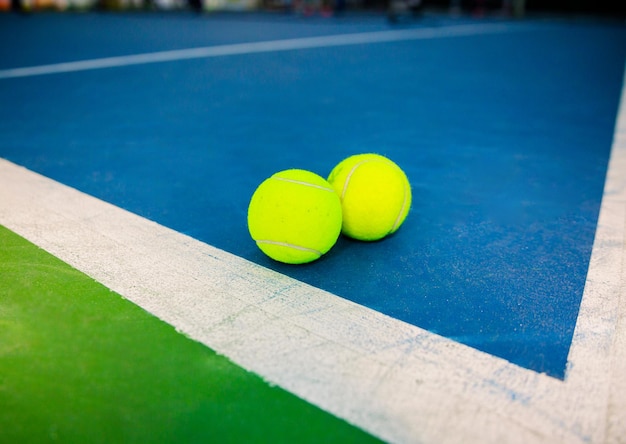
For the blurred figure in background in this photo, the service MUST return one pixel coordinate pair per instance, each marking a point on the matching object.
(477, 8)
(398, 8)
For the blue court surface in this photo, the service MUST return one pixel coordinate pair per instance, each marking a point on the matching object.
(505, 128)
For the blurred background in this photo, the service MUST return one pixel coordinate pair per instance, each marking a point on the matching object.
(506, 8)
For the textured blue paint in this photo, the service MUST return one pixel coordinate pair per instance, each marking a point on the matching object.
(505, 139)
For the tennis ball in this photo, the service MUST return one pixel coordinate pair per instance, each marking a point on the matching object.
(375, 196)
(294, 216)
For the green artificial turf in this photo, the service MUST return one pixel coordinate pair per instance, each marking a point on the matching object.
(78, 363)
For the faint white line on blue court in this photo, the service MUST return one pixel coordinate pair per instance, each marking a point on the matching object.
(257, 47)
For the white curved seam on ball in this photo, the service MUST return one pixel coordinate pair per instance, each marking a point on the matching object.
(285, 244)
(349, 176)
(397, 222)
(299, 182)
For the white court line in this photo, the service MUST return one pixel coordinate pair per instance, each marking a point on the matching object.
(256, 47)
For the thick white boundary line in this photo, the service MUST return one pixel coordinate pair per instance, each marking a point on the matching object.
(394, 380)
(256, 47)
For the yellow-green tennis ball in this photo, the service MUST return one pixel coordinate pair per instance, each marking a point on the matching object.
(295, 216)
(375, 196)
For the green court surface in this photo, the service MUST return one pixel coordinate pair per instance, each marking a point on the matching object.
(78, 363)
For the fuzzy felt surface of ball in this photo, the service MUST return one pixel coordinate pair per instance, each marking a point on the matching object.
(295, 216)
